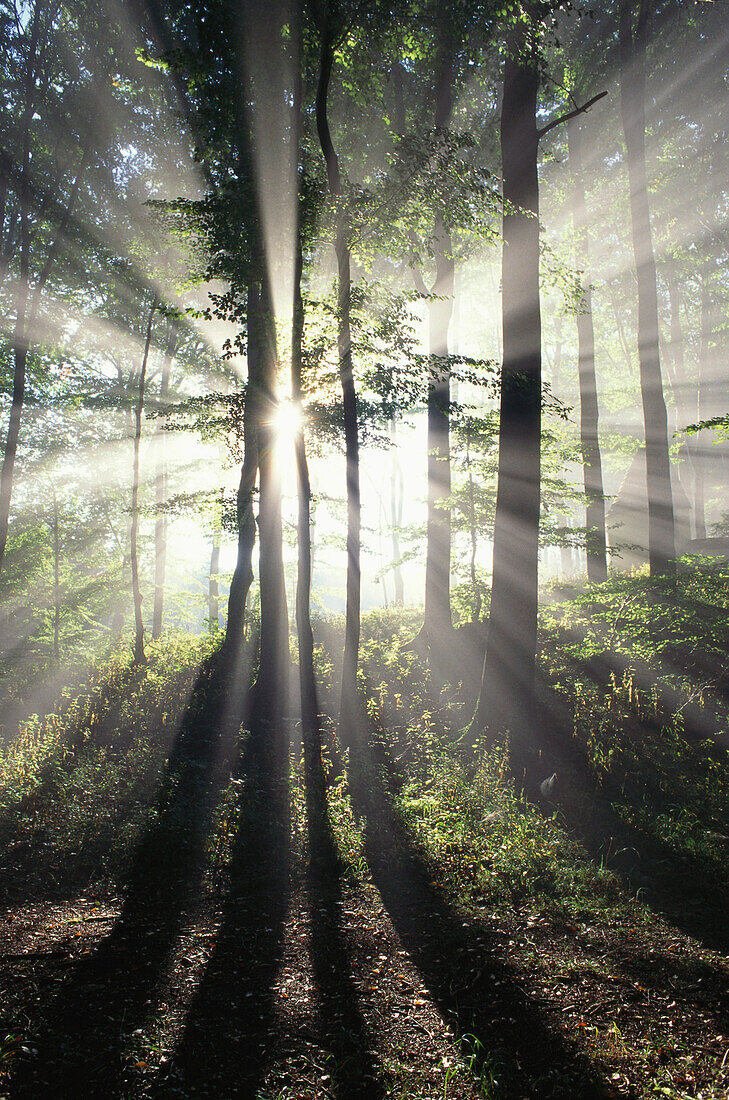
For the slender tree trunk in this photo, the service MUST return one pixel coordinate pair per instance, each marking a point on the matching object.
(437, 619)
(396, 505)
(684, 413)
(589, 413)
(507, 685)
(476, 605)
(20, 341)
(160, 486)
(213, 581)
(701, 412)
(242, 578)
(56, 581)
(618, 318)
(348, 709)
(557, 363)
(271, 683)
(310, 724)
(565, 552)
(134, 533)
(661, 536)
(20, 359)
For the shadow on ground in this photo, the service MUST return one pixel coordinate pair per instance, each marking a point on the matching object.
(344, 1032)
(108, 995)
(677, 885)
(222, 1051)
(509, 1041)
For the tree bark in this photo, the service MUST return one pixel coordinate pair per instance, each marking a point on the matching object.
(476, 605)
(213, 580)
(589, 412)
(437, 618)
(160, 486)
(679, 383)
(661, 536)
(271, 682)
(134, 531)
(20, 343)
(242, 578)
(701, 411)
(396, 505)
(348, 710)
(310, 724)
(56, 580)
(507, 684)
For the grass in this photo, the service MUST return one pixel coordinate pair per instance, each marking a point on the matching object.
(638, 671)
(75, 784)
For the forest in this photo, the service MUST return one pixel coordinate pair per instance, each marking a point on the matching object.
(364, 549)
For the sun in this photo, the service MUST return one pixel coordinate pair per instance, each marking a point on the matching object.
(287, 421)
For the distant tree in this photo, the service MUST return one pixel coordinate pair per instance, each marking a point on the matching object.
(589, 411)
(134, 526)
(332, 23)
(661, 537)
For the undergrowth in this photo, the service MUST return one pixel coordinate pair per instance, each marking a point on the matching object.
(75, 785)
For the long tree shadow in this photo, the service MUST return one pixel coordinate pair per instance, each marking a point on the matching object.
(678, 885)
(345, 1034)
(223, 1048)
(108, 995)
(689, 981)
(474, 988)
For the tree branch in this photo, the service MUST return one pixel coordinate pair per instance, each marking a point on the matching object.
(570, 114)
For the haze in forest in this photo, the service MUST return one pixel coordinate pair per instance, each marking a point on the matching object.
(364, 546)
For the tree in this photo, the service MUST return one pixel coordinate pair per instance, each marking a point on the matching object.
(134, 526)
(661, 537)
(506, 699)
(161, 481)
(329, 30)
(508, 672)
(589, 412)
(437, 618)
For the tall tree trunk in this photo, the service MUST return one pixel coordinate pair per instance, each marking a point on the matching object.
(557, 362)
(213, 580)
(134, 532)
(56, 580)
(437, 619)
(396, 505)
(565, 552)
(160, 485)
(589, 413)
(476, 604)
(507, 684)
(271, 683)
(242, 578)
(661, 536)
(310, 725)
(20, 341)
(701, 411)
(684, 412)
(618, 318)
(348, 710)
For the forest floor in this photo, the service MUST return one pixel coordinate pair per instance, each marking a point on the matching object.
(462, 942)
(342, 1000)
